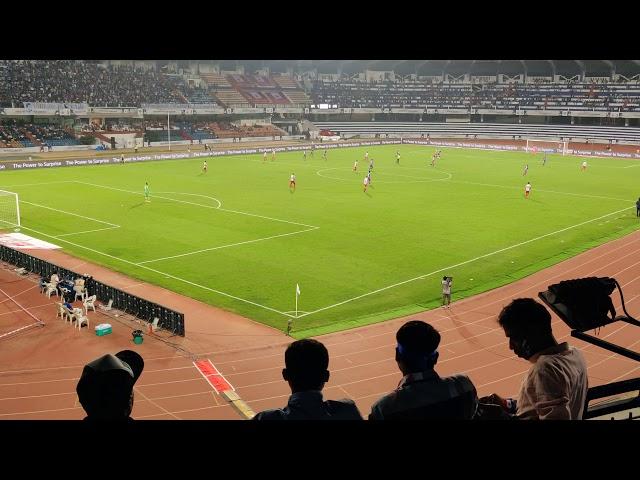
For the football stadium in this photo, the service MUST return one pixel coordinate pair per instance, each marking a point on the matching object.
(415, 239)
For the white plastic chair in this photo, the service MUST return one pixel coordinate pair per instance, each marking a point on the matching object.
(81, 319)
(89, 303)
(154, 325)
(69, 315)
(106, 307)
(51, 288)
(60, 310)
(80, 292)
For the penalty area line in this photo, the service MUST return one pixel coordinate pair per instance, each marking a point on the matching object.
(219, 292)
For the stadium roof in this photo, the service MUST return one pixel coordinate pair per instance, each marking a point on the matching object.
(438, 67)
(539, 68)
(567, 67)
(458, 67)
(597, 68)
(627, 67)
(484, 67)
(511, 67)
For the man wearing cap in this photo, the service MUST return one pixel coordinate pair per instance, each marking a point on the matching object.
(306, 371)
(105, 389)
(422, 394)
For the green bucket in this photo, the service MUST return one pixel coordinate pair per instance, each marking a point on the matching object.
(137, 337)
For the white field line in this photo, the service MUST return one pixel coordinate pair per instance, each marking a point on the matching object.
(34, 184)
(112, 225)
(196, 195)
(539, 190)
(162, 273)
(153, 195)
(462, 263)
(200, 205)
(416, 179)
(631, 166)
(229, 245)
(268, 218)
(85, 231)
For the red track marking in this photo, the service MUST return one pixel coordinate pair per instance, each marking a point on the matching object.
(213, 376)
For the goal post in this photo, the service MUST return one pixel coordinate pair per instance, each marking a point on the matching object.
(548, 146)
(9, 210)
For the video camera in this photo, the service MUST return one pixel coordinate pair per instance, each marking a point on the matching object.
(585, 304)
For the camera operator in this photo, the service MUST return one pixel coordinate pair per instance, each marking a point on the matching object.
(446, 291)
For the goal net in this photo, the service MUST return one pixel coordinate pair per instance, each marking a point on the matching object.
(9, 210)
(546, 146)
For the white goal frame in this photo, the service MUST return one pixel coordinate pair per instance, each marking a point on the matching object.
(532, 143)
(6, 193)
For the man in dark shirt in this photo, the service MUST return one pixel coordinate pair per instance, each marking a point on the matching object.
(422, 394)
(638, 208)
(306, 370)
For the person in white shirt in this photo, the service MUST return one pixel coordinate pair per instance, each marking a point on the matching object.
(273, 154)
(556, 385)
(584, 165)
(365, 182)
(527, 190)
(292, 182)
(204, 167)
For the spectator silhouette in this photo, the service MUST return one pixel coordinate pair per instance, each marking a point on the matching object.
(306, 370)
(555, 387)
(422, 393)
(105, 388)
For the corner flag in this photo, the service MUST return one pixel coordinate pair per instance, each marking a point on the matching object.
(297, 289)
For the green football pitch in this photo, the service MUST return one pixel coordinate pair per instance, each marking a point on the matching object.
(237, 237)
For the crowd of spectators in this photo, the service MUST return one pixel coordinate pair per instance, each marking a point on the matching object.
(536, 96)
(72, 81)
(14, 134)
(76, 82)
